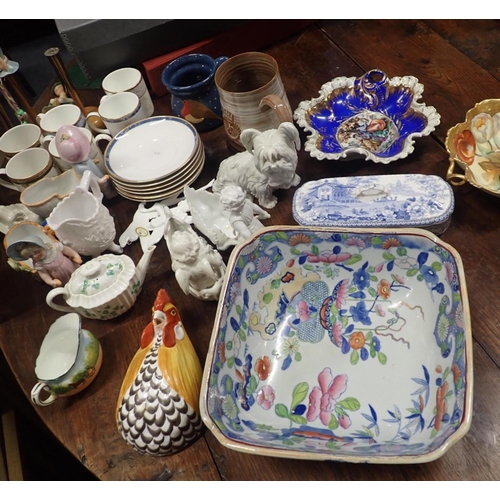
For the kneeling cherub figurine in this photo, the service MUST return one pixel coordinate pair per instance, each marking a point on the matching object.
(54, 262)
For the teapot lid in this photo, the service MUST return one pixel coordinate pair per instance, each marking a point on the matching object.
(99, 280)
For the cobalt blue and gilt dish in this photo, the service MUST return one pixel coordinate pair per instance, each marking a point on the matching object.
(371, 115)
(350, 345)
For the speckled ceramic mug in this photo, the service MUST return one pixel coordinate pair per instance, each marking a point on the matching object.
(252, 95)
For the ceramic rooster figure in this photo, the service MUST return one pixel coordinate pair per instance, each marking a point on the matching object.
(157, 410)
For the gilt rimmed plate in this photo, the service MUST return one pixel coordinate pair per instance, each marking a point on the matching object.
(151, 149)
(372, 115)
(351, 345)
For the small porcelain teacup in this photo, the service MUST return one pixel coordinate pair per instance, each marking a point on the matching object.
(69, 360)
(129, 80)
(19, 138)
(27, 167)
(118, 111)
(252, 95)
(95, 152)
(65, 114)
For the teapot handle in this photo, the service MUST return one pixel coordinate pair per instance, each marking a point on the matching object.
(89, 181)
(35, 395)
(52, 295)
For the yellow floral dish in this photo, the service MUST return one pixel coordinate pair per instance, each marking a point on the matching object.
(474, 146)
(341, 344)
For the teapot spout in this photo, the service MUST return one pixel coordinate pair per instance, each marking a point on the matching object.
(143, 264)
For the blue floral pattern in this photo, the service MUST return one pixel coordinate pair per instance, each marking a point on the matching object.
(295, 334)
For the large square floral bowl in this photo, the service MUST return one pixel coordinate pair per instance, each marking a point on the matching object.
(474, 146)
(371, 115)
(351, 345)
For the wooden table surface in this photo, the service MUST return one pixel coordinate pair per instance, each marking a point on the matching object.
(458, 64)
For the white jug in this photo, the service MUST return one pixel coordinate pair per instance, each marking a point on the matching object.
(82, 222)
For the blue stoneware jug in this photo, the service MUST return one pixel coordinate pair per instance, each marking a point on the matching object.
(190, 81)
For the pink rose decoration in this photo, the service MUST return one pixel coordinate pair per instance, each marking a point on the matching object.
(265, 397)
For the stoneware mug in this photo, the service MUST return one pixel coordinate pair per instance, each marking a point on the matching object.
(69, 360)
(19, 138)
(27, 167)
(129, 80)
(118, 111)
(252, 95)
(194, 96)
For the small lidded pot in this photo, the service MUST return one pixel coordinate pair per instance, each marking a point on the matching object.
(103, 288)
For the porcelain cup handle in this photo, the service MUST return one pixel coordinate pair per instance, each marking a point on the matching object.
(46, 141)
(6, 183)
(102, 137)
(93, 127)
(39, 117)
(454, 178)
(35, 395)
(280, 108)
(52, 295)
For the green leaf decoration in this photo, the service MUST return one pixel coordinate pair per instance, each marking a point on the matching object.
(238, 309)
(241, 262)
(368, 336)
(351, 404)
(352, 260)
(401, 251)
(314, 249)
(295, 251)
(213, 380)
(352, 289)
(372, 292)
(229, 345)
(433, 433)
(275, 284)
(299, 394)
(269, 237)
(446, 373)
(267, 298)
(411, 272)
(298, 356)
(298, 419)
(420, 277)
(382, 358)
(230, 362)
(334, 423)
(354, 357)
(437, 266)
(252, 385)
(228, 384)
(308, 267)
(377, 240)
(373, 277)
(242, 335)
(281, 410)
(282, 236)
(388, 256)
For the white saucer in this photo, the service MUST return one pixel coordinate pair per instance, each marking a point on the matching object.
(151, 149)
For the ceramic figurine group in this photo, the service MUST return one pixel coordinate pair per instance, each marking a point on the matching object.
(157, 408)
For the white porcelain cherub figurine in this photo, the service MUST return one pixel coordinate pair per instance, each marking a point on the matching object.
(268, 163)
(54, 262)
(244, 215)
(199, 269)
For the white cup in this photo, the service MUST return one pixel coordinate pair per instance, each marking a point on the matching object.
(129, 80)
(118, 111)
(95, 153)
(27, 167)
(64, 114)
(19, 138)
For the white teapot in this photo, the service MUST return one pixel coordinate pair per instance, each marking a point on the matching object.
(103, 288)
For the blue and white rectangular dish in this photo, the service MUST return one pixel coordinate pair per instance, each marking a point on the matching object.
(402, 200)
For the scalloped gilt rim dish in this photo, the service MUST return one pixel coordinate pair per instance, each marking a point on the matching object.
(371, 115)
(349, 345)
(474, 145)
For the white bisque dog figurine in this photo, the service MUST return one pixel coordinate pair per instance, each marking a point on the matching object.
(268, 163)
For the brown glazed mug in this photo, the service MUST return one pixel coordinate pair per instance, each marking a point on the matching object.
(252, 95)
